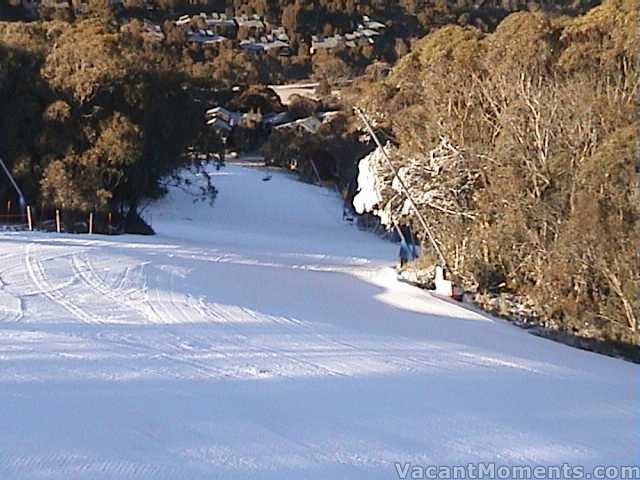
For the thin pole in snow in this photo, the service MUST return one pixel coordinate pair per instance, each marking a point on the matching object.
(29, 219)
(406, 191)
(315, 170)
(13, 182)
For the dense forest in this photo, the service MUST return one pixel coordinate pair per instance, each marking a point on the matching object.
(520, 147)
(95, 111)
(92, 118)
(406, 21)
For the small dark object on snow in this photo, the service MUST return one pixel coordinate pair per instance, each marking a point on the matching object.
(404, 254)
(267, 178)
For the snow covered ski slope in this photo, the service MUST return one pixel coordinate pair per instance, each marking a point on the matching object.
(263, 338)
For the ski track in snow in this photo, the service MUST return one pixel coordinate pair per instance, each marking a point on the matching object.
(37, 272)
(262, 338)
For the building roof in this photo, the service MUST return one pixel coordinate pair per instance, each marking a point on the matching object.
(375, 25)
(369, 33)
(221, 113)
(327, 42)
(264, 45)
(309, 124)
(226, 22)
(276, 119)
(219, 124)
(205, 37)
(250, 22)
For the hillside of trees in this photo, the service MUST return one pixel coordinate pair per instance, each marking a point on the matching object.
(91, 118)
(520, 147)
(94, 112)
(406, 21)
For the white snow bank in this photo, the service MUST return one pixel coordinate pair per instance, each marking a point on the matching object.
(370, 185)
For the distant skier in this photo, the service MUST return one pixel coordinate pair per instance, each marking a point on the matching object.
(347, 216)
(404, 253)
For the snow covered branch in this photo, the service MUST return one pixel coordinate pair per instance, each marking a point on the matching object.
(442, 180)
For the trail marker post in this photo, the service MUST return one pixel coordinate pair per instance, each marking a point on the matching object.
(29, 219)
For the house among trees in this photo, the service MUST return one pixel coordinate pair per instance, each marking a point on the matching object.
(221, 24)
(250, 26)
(256, 35)
(205, 37)
(326, 43)
(358, 39)
(251, 30)
(250, 22)
(222, 119)
(276, 119)
(365, 34)
(309, 125)
(267, 44)
(369, 24)
(153, 29)
(183, 21)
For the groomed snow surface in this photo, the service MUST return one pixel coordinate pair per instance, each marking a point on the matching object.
(263, 338)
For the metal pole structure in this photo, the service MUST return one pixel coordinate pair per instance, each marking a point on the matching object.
(413, 204)
(23, 202)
